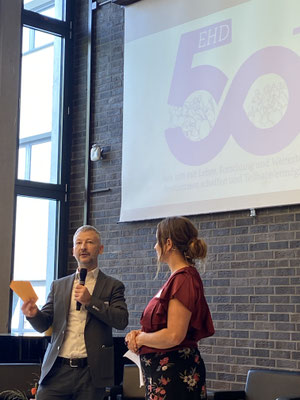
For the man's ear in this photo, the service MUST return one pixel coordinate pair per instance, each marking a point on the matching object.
(101, 249)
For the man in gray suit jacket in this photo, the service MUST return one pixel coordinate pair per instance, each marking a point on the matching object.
(79, 362)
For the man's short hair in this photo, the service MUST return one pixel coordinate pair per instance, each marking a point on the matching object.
(86, 228)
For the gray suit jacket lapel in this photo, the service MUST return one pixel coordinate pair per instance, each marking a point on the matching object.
(68, 294)
(98, 289)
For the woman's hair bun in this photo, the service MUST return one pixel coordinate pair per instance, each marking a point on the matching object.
(197, 248)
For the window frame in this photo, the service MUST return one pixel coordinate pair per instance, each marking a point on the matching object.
(52, 191)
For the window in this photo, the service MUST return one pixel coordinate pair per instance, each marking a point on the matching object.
(40, 105)
(34, 259)
(51, 8)
(44, 132)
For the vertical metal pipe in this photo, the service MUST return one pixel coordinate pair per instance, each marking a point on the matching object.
(88, 112)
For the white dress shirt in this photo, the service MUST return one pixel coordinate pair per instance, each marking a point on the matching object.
(74, 345)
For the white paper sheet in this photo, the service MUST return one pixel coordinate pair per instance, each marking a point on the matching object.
(136, 359)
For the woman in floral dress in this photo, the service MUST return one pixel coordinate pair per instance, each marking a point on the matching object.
(175, 319)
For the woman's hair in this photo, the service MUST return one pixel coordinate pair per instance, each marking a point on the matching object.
(184, 236)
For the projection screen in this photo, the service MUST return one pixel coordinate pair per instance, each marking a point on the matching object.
(211, 106)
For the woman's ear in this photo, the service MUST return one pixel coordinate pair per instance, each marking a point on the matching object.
(169, 244)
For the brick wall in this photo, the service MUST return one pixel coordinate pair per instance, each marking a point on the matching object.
(252, 273)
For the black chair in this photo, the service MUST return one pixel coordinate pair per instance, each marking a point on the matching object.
(266, 384)
(119, 360)
(130, 388)
(20, 376)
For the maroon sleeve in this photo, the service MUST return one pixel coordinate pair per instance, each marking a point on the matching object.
(183, 288)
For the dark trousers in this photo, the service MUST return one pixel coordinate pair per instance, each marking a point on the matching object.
(66, 383)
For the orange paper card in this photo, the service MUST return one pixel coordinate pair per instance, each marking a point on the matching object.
(24, 290)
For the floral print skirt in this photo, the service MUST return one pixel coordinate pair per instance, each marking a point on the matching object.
(173, 375)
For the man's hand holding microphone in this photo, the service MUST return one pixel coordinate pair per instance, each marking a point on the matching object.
(82, 295)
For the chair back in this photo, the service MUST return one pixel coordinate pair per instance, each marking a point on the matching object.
(267, 384)
(131, 383)
(20, 376)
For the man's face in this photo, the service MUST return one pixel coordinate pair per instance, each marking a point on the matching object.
(86, 249)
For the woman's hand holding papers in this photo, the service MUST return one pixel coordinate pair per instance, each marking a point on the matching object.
(130, 340)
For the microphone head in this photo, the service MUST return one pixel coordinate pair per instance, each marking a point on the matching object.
(82, 275)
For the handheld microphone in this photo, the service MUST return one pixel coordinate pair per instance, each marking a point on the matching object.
(82, 276)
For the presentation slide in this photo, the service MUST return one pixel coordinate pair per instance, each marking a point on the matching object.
(211, 107)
